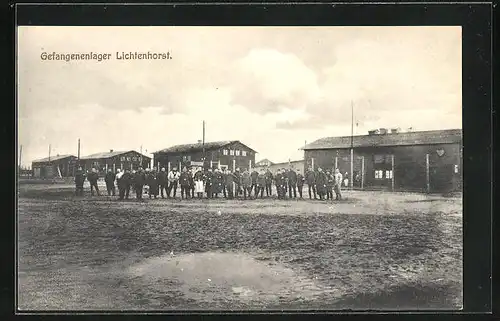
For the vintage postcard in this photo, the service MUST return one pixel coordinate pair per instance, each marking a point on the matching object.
(239, 168)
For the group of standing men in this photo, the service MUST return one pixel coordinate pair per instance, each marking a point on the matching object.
(210, 183)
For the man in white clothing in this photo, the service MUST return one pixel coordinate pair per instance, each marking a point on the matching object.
(173, 179)
(338, 184)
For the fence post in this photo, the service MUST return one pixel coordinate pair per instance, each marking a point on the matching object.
(392, 171)
(168, 167)
(362, 171)
(114, 168)
(218, 164)
(234, 165)
(131, 166)
(312, 163)
(121, 166)
(249, 165)
(106, 167)
(427, 173)
(180, 166)
(336, 163)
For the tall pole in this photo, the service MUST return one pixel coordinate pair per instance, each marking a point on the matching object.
(427, 180)
(49, 151)
(78, 151)
(352, 145)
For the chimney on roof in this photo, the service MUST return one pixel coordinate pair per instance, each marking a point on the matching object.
(110, 150)
(373, 132)
(383, 131)
(395, 130)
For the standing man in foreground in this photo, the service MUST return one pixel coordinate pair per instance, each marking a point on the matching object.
(162, 182)
(311, 182)
(79, 180)
(185, 181)
(269, 183)
(300, 182)
(292, 183)
(321, 181)
(139, 181)
(261, 184)
(173, 178)
(110, 182)
(92, 178)
(338, 184)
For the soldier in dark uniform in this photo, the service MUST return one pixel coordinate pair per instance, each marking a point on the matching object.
(330, 181)
(209, 178)
(261, 184)
(269, 183)
(79, 180)
(162, 182)
(300, 182)
(321, 181)
(284, 172)
(218, 182)
(230, 179)
(110, 182)
(92, 178)
(311, 182)
(253, 175)
(224, 187)
(185, 182)
(246, 183)
(279, 181)
(153, 183)
(292, 183)
(139, 181)
(123, 180)
(191, 181)
(237, 175)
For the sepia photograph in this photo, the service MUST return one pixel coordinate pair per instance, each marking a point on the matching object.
(239, 168)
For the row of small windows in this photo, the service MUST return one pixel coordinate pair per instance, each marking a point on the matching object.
(128, 159)
(379, 174)
(234, 152)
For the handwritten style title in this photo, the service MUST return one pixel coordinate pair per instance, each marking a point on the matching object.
(99, 56)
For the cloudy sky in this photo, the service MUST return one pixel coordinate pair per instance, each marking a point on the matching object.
(271, 88)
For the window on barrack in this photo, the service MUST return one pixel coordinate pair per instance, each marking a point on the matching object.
(225, 152)
(237, 152)
(231, 152)
(243, 153)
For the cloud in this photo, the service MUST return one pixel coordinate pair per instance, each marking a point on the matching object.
(268, 81)
(392, 78)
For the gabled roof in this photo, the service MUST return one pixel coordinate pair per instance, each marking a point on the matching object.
(265, 160)
(186, 148)
(53, 158)
(110, 154)
(448, 136)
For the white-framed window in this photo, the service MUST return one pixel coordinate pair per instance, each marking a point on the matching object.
(237, 152)
(243, 153)
(388, 174)
(122, 158)
(455, 169)
(231, 152)
(128, 159)
(134, 159)
(225, 152)
(379, 174)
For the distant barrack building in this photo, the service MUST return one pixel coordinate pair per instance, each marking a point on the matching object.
(428, 161)
(222, 154)
(296, 165)
(115, 159)
(55, 166)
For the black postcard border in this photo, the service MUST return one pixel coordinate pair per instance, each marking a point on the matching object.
(476, 21)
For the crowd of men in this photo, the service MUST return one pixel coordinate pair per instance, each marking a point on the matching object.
(215, 183)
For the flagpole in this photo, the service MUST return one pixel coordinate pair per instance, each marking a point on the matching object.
(352, 146)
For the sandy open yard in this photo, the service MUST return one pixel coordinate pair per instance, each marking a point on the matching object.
(370, 251)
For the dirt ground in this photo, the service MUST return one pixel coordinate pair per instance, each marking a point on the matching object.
(373, 250)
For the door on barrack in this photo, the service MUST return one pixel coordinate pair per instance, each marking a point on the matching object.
(382, 171)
